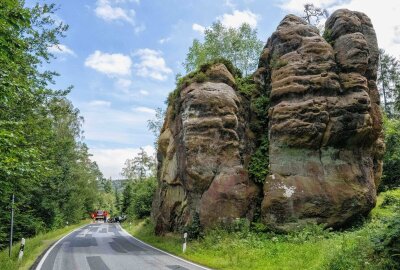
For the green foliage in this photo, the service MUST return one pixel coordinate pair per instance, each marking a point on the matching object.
(194, 229)
(259, 104)
(390, 200)
(327, 35)
(258, 167)
(240, 46)
(140, 167)
(391, 158)
(387, 243)
(388, 83)
(138, 198)
(42, 158)
(277, 63)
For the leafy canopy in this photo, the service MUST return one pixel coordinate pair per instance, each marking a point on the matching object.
(240, 46)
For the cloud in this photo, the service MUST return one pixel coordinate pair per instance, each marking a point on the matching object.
(230, 4)
(61, 49)
(108, 125)
(110, 64)
(139, 28)
(237, 18)
(164, 40)
(99, 103)
(108, 12)
(151, 65)
(111, 160)
(198, 28)
(123, 84)
(396, 38)
(144, 110)
(144, 92)
(297, 6)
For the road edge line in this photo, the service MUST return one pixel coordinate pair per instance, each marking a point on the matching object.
(174, 256)
(41, 262)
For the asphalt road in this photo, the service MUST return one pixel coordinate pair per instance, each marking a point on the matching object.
(106, 246)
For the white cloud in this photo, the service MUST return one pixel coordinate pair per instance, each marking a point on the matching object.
(151, 64)
(144, 110)
(123, 84)
(144, 92)
(108, 12)
(61, 49)
(111, 160)
(237, 18)
(139, 28)
(105, 124)
(164, 40)
(230, 4)
(198, 28)
(396, 38)
(297, 6)
(99, 103)
(110, 64)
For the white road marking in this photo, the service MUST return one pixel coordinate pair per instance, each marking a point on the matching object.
(39, 266)
(150, 246)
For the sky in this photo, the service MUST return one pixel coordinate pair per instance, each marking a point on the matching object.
(122, 56)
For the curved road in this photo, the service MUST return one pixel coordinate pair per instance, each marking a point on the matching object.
(102, 246)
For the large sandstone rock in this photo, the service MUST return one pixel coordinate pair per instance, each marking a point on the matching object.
(203, 151)
(325, 126)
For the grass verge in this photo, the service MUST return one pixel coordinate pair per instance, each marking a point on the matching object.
(34, 247)
(310, 248)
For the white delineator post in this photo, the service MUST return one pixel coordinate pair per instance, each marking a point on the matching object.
(21, 249)
(184, 242)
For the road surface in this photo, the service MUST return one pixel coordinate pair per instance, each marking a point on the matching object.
(103, 246)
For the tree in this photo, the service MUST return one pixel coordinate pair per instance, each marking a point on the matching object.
(107, 186)
(42, 158)
(155, 125)
(313, 14)
(139, 167)
(391, 159)
(389, 82)
(241, 46)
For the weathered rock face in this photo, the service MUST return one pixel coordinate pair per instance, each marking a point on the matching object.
(203, 150)
(325, 125)
(325, 133)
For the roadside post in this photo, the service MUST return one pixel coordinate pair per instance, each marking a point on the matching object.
(21, 249)
(12, 226)
(184, 242)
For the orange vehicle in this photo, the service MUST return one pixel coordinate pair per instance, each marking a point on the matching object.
(100, 215)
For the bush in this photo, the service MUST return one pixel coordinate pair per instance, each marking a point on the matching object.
(194, 229)
(258, 166)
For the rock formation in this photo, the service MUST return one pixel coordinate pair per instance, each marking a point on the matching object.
(325, 126)
(325, 133)
(203, 149)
